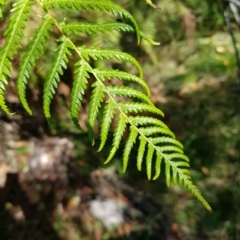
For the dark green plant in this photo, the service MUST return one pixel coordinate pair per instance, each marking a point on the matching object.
(157, 143)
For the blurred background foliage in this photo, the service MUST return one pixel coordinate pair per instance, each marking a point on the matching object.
(192, 77)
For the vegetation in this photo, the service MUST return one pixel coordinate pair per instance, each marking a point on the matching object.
(191, 77)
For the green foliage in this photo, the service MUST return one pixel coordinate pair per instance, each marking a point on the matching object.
(125, 104)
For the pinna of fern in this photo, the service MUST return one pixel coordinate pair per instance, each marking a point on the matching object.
(136, 115)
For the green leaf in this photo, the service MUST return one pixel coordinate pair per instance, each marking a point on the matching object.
(109, 6)
(111, 74)
(100, 54)
(158, 166)
(91, 28)
(106, 121)
(128, 147)
(95, 103)
(79, 86)
(128, 92)
(53, 76)
(149, 161)
(13, 34)
(34, 51)
(118, 133)
(129, 107)
(141, 151)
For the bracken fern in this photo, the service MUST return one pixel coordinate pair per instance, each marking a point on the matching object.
(132, 107)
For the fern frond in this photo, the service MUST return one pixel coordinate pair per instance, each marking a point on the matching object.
(33, 53)
(79, 86)
(59, 63)
(158, 166)
(91, 28)
(133, 107)
(110, 74)
(118, 133)
(128, 147)
(142, 120)
(128, 92)
(141, 151)
(106, 121)
(95, 103)
(99, 54)
(109, 6)
(148, 131)
(166, 140)
(14, 34)
(149, 161)
(2, 2)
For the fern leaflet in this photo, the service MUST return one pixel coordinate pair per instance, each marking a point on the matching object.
(34, 51)
(59, 63)
(100, 54)
(79, 86)
(110, 74)
(115, 9)
(91, 28)
(13, 34)
(95, 103)
(106, 121)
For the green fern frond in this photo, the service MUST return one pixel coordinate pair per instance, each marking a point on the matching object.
(142, 120)
(134, 107)
(158, 166)
(141, 151)
(166, 140)
(95, 103)
(156, 143)
(128, 147)
(59, 63)
(2, 2)
(91, 28)
(118, 133)
(109, 6)
(79, 86)
(149, 161)
(99, 54)
(111, 74)
(34, 51)
(148, 131)
(128, 92)
(108, 114)
(14, 34)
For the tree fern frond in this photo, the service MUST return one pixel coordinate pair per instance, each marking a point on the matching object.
(134, 107)
(2, 98)
(59, 63)
(34, 51)
(128, 92)
(2, 2)
(118, 133)
(106, 121)
(109, 74)
(141, 151)
(13, 34)
(91, 28)
(158, 166)
(79, 86)
(142, 120)
(109, 6)
(100, 54)
(128, 147)
(166, 140)
(149, 161)
(95, 103)
(170, 149)
(148, 131)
